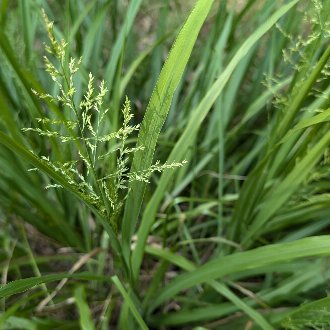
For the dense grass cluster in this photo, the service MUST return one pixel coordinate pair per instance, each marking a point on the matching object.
(102, 227)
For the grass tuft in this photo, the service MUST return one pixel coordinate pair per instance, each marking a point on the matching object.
(164, 164)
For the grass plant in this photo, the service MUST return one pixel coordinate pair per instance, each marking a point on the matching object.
(164, 164)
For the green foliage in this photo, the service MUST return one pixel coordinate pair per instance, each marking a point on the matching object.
(314, 314)
(88, 136)
(236, 238)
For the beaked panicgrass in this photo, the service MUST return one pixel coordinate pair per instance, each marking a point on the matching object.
(82, 125)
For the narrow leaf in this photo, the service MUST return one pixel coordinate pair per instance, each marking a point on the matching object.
(28, 283)
(192, 128)
(85, 317)
(129, 302)
(239, 262)
(157, 111)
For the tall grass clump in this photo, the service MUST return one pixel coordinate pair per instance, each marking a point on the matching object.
(102, 226)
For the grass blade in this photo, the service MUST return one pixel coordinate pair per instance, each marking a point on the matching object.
(282, 192)
(157, 111)
(253, 259)
(195, 121)
(129, 302)
(86, 322)
(218, 287)
(120, 42)
(29, 283)
(257, 317)
(322, 117)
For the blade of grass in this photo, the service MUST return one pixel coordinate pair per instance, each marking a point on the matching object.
(322, 117)
(193, 126)
(282, 192)
(253, 188)
(129, 302)
(257, 317)
(260, 257)
(12, 309)
(27, 79)
(120, 42)
(85, 317)
(302, 95)
(137, 63)
(90, 44)
(25, 8)
(77, 23)
(196, 315)
(4, 12)
(218, 287)
(157, 279)
(157, 111)
(28, 283)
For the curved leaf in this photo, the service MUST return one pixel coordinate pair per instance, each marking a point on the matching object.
(238, 262)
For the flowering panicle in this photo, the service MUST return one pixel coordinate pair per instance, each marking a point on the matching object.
(81, 125)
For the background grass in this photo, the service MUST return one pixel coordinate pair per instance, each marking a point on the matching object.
(235, 239)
